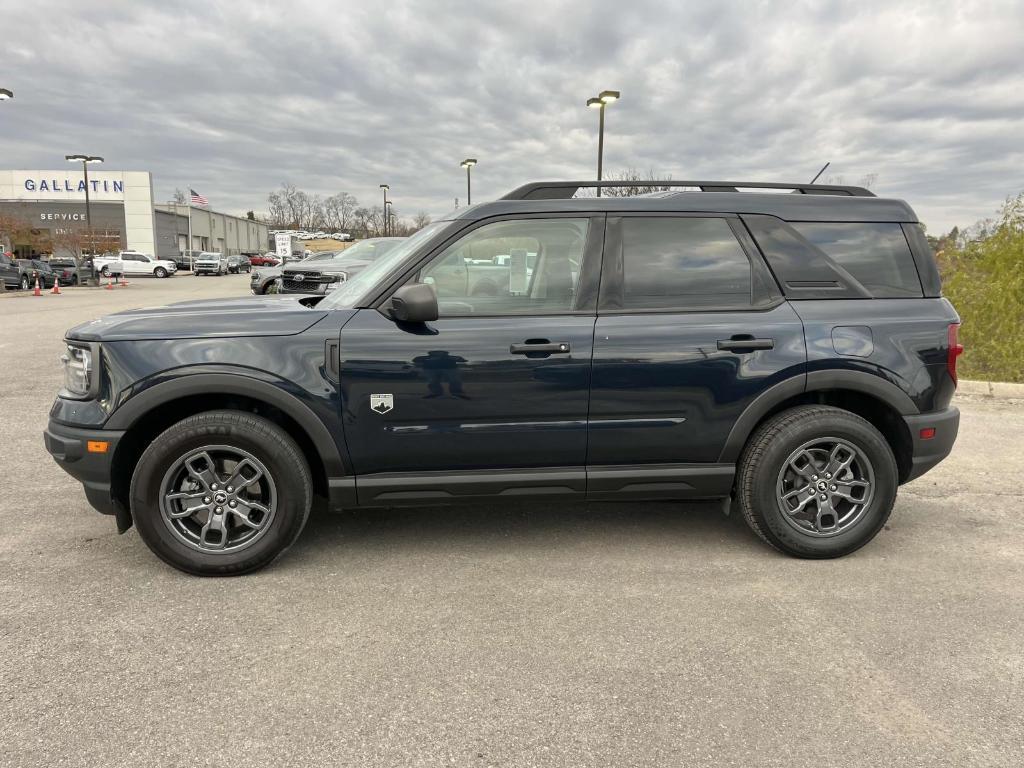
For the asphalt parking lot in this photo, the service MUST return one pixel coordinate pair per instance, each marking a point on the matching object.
(548, 635)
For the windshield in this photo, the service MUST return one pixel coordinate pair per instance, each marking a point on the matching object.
(351, 291)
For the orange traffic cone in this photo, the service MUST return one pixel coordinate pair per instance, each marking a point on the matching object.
(124, 283)
(110, 283)
(56, 288)
(37, 292)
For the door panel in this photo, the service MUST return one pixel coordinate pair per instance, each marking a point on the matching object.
(664, 392)
(453, 396)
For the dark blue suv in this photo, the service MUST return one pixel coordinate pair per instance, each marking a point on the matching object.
(790, 351)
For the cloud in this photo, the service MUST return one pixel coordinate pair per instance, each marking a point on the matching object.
(232, 99)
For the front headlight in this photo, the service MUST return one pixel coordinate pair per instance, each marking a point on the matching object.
(78, 370)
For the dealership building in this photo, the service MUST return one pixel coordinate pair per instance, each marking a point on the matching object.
(124, 215)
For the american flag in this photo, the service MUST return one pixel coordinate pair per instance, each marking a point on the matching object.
(198, 199)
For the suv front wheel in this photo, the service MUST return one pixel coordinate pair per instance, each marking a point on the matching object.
(221, 493)
(817, 482)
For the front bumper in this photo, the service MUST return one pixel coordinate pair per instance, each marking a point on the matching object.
(927, 452)
(69, 448)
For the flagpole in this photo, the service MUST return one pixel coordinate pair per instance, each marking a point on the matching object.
(191, 260)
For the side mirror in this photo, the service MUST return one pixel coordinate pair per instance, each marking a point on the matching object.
(415, 303)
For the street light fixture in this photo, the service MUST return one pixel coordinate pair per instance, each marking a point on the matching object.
(599, 102)
(468, 163)
(385, 187)
(6, 94)
(85, 160)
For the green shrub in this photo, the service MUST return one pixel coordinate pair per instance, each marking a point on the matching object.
(984, 278)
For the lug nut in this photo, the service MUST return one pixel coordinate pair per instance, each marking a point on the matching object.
(213, 487)
(814, 477)
(232, 503)
(834, 488)
(206, 499)
(824, 497)
(828, 476)
(231, 489)
(220, 510)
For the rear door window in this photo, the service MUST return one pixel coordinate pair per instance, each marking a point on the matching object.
(877, 255)
(682, 263)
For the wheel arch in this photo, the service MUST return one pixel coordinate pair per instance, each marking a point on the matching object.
(876, 400)
(153, 410)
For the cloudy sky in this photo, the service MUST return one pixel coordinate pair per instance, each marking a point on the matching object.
(233, 98)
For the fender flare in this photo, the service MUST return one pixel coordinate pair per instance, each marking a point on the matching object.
(189, 384)
(856, 381)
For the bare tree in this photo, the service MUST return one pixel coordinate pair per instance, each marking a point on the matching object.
(179, 197)
(631, 174)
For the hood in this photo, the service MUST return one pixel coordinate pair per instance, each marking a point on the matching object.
(205, 318)
(333, 267)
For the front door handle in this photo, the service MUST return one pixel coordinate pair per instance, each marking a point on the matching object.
(745, 344)
(540, 347)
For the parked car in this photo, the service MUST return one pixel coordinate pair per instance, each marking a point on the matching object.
(66, 270)
(263, 279)
(108, 264)
(266, 260)
(237, 264)
(30, 269)
(136, 263)
(210, 263)
(184, 259)
(46, 273)
(790, 353)
(323, 273)
(10, 271)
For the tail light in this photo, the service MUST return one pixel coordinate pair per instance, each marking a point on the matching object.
(953, 349)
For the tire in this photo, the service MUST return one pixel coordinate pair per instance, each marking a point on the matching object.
(105, 271)
(815, 434)
(160, 272)
(24, 282)
(285, 491)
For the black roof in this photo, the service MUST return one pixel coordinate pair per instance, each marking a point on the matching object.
(806, 202)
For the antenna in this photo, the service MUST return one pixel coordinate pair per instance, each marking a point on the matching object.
(826, 165)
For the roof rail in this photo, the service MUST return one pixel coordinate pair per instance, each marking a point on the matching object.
(563, 190)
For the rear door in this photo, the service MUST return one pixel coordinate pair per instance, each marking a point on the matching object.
(492, 397)
(691, 328)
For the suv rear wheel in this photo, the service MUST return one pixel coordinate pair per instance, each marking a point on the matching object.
(221, 493)
(817, 482)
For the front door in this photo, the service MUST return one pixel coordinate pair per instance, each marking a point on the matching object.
(492, 397)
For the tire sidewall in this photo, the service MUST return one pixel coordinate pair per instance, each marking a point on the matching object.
(863, 436)
(160, 272)
(291, 478)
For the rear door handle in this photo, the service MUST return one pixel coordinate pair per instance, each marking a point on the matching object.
(745, 344)
(540, 347)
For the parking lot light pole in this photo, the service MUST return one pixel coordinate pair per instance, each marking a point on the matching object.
(85, 160)
(385, 187)
(387, 217)
(468, 163)
(599, 102)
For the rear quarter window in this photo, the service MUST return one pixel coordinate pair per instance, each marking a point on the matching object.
(877, 255)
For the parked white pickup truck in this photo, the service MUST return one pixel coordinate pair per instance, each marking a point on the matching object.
(108, 264)
(210, 263)
(136, 263)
